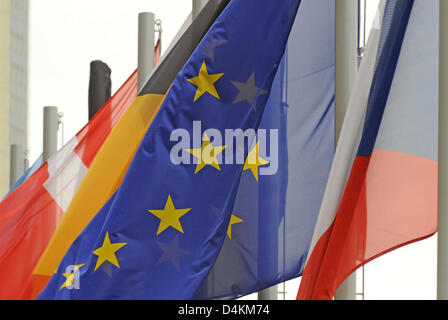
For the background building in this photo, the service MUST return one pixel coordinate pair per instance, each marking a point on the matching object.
(13, 81)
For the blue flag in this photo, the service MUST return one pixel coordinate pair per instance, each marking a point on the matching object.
(278, 201)
(160, 234)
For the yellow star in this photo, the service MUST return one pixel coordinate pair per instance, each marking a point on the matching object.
(233, 220)
(107, 252)
(254, 161)
(205, 82)
(70, 277)
(207, 154)
(169, 217)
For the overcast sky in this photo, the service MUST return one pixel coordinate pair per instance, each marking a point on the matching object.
(65, 35)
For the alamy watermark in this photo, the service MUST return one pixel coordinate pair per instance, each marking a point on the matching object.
(72, 281)
(234, 143)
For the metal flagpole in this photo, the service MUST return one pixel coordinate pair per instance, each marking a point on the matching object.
(51, 123)
(17, 167)
(198, 5)
(442, 249)
(269, 293)
(50, 138)
(346, 68)
(146, 38)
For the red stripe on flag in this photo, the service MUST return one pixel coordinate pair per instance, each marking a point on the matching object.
(322, 272)
(26, 227)
(390, 201)
(157, 52)
(93, 135)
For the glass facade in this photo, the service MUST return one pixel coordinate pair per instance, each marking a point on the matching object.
(13, 82)
(18, 72)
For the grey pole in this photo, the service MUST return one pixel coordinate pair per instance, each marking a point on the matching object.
(100, 86)
(50, 139)
(51, 122)
(17, 167)
(268, 294)
(146, 38)
(442, 248)
(346, 68)
(198, 5)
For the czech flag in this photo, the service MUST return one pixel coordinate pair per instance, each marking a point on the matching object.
(382, 190)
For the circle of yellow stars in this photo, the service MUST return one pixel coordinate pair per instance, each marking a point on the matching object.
(206, 155)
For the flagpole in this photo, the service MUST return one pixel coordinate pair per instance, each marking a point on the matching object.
(51, 123)
(346, 68)
(17, 167)
(146, 38)
(198, 5)
(50, 136)
(442, 252)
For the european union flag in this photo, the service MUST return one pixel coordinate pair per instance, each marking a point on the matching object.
(160, 234)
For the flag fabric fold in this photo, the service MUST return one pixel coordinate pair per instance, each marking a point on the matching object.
(157, 237)
(382, 190)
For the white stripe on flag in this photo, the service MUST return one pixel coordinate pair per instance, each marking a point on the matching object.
(351, 134)
(66, 172)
